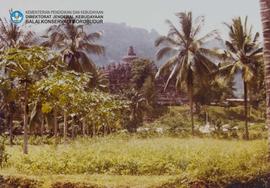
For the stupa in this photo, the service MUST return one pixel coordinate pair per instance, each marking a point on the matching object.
(131, 55)
(119, 75)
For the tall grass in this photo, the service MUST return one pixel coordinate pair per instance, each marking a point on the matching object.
(209, 159)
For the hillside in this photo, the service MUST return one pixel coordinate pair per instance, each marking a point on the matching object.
(118, 37)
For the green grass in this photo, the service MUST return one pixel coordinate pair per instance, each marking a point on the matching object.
(177, 121)
(94, 180)
(149, 160)
(121, 158)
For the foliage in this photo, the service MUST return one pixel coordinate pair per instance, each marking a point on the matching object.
(243, 49)
(257, 99)
(217, 91)
(24, 67)
(199, 159)
(143, 79)
(3, 154)
(74, 44)
(176, 122)
(20, 66)
(82, 181)
(244, 55)
(190, 59)
(102, 111)
(59, 89)
(137, 108)
(67, 91)
(14, 36)
(244, 52)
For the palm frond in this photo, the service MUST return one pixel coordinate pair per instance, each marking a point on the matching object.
(173, 32)
(172, 74)
(247, 74)
(198, 24)
(92, 48)
(164, 51)
(185, 20)
(202, 60)
(256, 37)
(167, 65)
(94, 36)
(256, 52)
(209, 36)
(4, 27)
(230, 46)
(212, 53)
(166, 40)
(182, 74)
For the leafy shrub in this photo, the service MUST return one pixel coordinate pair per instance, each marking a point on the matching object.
(3, 154)
(11, 182)
(73, 185)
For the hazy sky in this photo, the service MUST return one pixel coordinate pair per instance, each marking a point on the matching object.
(149, 13)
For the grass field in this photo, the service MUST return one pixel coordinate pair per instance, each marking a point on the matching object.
(133, 162)
(149, 160)
(177, 121)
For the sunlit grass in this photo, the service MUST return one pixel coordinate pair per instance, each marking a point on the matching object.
(191, 158)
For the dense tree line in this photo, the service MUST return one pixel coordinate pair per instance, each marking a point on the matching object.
(193, 63)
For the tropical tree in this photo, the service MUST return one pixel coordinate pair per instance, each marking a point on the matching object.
(15, 36)
(143, 79)
(217, 90)
(100, 82)
(243, 54)
(190, 58)
(138, 106)
(265, 17)
(74, 44)
(8, 95)
(57, 92)
(25, 67)
(108, 115)
(257, 88)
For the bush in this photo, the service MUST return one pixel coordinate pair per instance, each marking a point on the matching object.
(3, 154)
(12, 182)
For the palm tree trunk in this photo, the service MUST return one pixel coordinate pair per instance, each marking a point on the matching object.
(25, 124)
(10, 124)
(94, 130)
(246, 110)
(190, 94)
(83, 127)
(72, 132)
(265, 17)
(55, 124)
(65, 126)
(42, 125)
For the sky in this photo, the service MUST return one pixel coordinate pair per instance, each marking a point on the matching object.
(150, 14)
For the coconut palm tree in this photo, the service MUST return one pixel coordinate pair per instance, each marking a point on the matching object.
(189, 56)
(74, 44)
(243, 55)
(12, 35)
(265, 16)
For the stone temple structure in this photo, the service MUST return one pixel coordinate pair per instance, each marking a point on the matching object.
(119, 75)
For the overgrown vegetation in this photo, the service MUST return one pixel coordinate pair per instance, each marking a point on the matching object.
(176, 123)
(187, 159)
